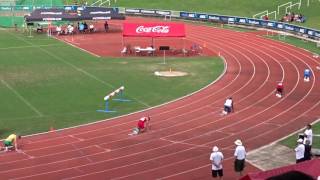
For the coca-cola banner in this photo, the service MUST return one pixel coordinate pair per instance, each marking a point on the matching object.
(153, 30)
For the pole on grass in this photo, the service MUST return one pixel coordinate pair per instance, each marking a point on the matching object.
(164, 56)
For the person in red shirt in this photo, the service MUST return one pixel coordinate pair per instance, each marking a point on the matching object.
(143, 124)
(279, 91)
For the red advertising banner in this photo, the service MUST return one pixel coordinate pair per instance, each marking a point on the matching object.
(153, 30)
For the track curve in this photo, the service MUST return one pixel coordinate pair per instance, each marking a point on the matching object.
(183, 132)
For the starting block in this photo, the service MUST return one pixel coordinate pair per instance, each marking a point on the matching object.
(135, 131)
(8, 148)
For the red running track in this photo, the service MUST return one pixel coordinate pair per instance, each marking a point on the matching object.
(184, 131)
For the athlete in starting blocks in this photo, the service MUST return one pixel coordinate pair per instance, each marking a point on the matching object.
(306, 75)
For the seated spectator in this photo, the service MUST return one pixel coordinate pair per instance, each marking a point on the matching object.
(106, 26)
(91, 28)
(265, 17)
(81, 28)
(70, 29)
(85, 26)
(39, 28)
(58, 29)
(124, 50)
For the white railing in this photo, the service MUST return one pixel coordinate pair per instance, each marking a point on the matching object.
(261, 13)
(275, 14)
(103, 2)
(282, 5)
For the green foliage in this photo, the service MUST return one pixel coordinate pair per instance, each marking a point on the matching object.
(44, 82)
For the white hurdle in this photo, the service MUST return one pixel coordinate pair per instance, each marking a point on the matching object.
(118, 92)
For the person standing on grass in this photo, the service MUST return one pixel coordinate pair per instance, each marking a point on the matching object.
(240, 157)
(308, 134)
(299, 151)
(216, 158)
(307, 150)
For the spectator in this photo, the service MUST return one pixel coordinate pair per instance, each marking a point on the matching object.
(70, 29)
(308, 134)
(240, 156)
(85, 26)
(39, 28)
(91, 28)
(265, 17)
(81, 28)
(58, 29)
(106, 26)
(307, 151)
(216, 158)
(299, 151)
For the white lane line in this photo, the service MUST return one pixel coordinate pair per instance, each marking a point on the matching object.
(189, 144)
(22, 98)
(22, 47)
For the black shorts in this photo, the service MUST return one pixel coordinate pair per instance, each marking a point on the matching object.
(279, 90)
(239, 165)
(216, 173)
(227, 109)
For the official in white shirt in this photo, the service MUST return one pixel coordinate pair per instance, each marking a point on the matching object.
(299, 151)
(240, 157)
(308, 134)
(216, 158)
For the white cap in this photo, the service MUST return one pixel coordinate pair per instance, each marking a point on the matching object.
(238, 142)
(215, 149)
(300, 140)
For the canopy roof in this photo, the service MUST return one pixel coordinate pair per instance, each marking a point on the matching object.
(153, 30)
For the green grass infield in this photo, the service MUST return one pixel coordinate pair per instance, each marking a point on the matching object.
(44, 83)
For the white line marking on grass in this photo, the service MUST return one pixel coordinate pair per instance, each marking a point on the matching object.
(32, 46)
(22, 98)
(77, 68)
(70, 43)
